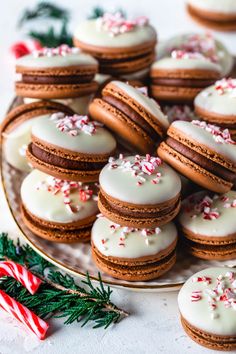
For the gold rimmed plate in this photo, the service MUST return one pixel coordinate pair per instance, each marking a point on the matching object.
(76, 258)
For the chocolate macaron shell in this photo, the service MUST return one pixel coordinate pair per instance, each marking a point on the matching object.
(73, 148)
(56, 215)
(130, 114)
(208, 224)
(181, 79)
(55, 73)
(202, 153)
(207, 308)
(131, 197)
(142, 254)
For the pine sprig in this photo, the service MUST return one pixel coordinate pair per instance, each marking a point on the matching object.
(59, 295)
(50, 37)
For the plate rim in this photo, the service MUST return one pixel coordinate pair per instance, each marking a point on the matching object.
(59, 264)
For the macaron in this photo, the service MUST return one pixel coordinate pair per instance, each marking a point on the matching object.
(133, 254)
(208, 223)
(207, 308)
(70, 147)
(180, 77)
(204, 153)
(139, 191)
(131, 115)
(219, 15)
(217, 105)
(56, 73)
(58, 210)
(204, 43)
(121, 46)
(16, 129)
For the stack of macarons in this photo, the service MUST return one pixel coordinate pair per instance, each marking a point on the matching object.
(61, 74)
(134, 238)
(59, 197)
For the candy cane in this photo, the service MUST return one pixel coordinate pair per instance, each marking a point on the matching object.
(24, 315)
(21, 274)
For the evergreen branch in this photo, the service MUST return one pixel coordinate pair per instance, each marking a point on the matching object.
(59, 295)
(44, 9)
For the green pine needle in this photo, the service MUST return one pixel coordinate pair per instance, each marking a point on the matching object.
(59, 295)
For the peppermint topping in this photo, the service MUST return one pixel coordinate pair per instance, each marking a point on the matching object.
(116, 24)
(73, 125)
(221, 136)
(203, 207)
(66, 188)
(183, 54)
(139, 168)
(125, 231)
(223, 292)
(143, 90)
(200, 44)
(63, 50)
(178, 112)
(225, 86)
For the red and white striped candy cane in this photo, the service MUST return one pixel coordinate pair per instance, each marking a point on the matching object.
(21, 274)
(24, 315)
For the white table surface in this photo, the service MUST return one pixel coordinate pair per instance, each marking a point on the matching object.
(153, 326)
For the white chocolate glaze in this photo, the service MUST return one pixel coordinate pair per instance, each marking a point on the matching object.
(73, 59)
(149, 104)
(199, 313)
(172, 63)
(222, 6)
(78, 104)
(50, 206)
(89, 32)
(123, 185)
(119, 241)
(196, 217)
(15, 143)
(137, 75)
(101, 78)
(204, 137)
(225, 59)
(101, 142)
(212, 101)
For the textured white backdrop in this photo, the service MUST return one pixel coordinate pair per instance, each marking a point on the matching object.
(153, 326)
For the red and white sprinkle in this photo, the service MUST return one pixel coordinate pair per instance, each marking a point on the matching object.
(55, 185)
(221, 136)
(225, 86)
(63, 50)
(116, 24)
(74, 125)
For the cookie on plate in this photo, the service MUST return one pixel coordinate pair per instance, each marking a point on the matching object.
(121, 46)
(16, 129)
(207, 307)
(58, 210)
(133, 254)
(208, 223)
(61, 73)
(139, 191)
(70, 147)
(135, 118)
(219, 15)
(217, 105)
(204, 153)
